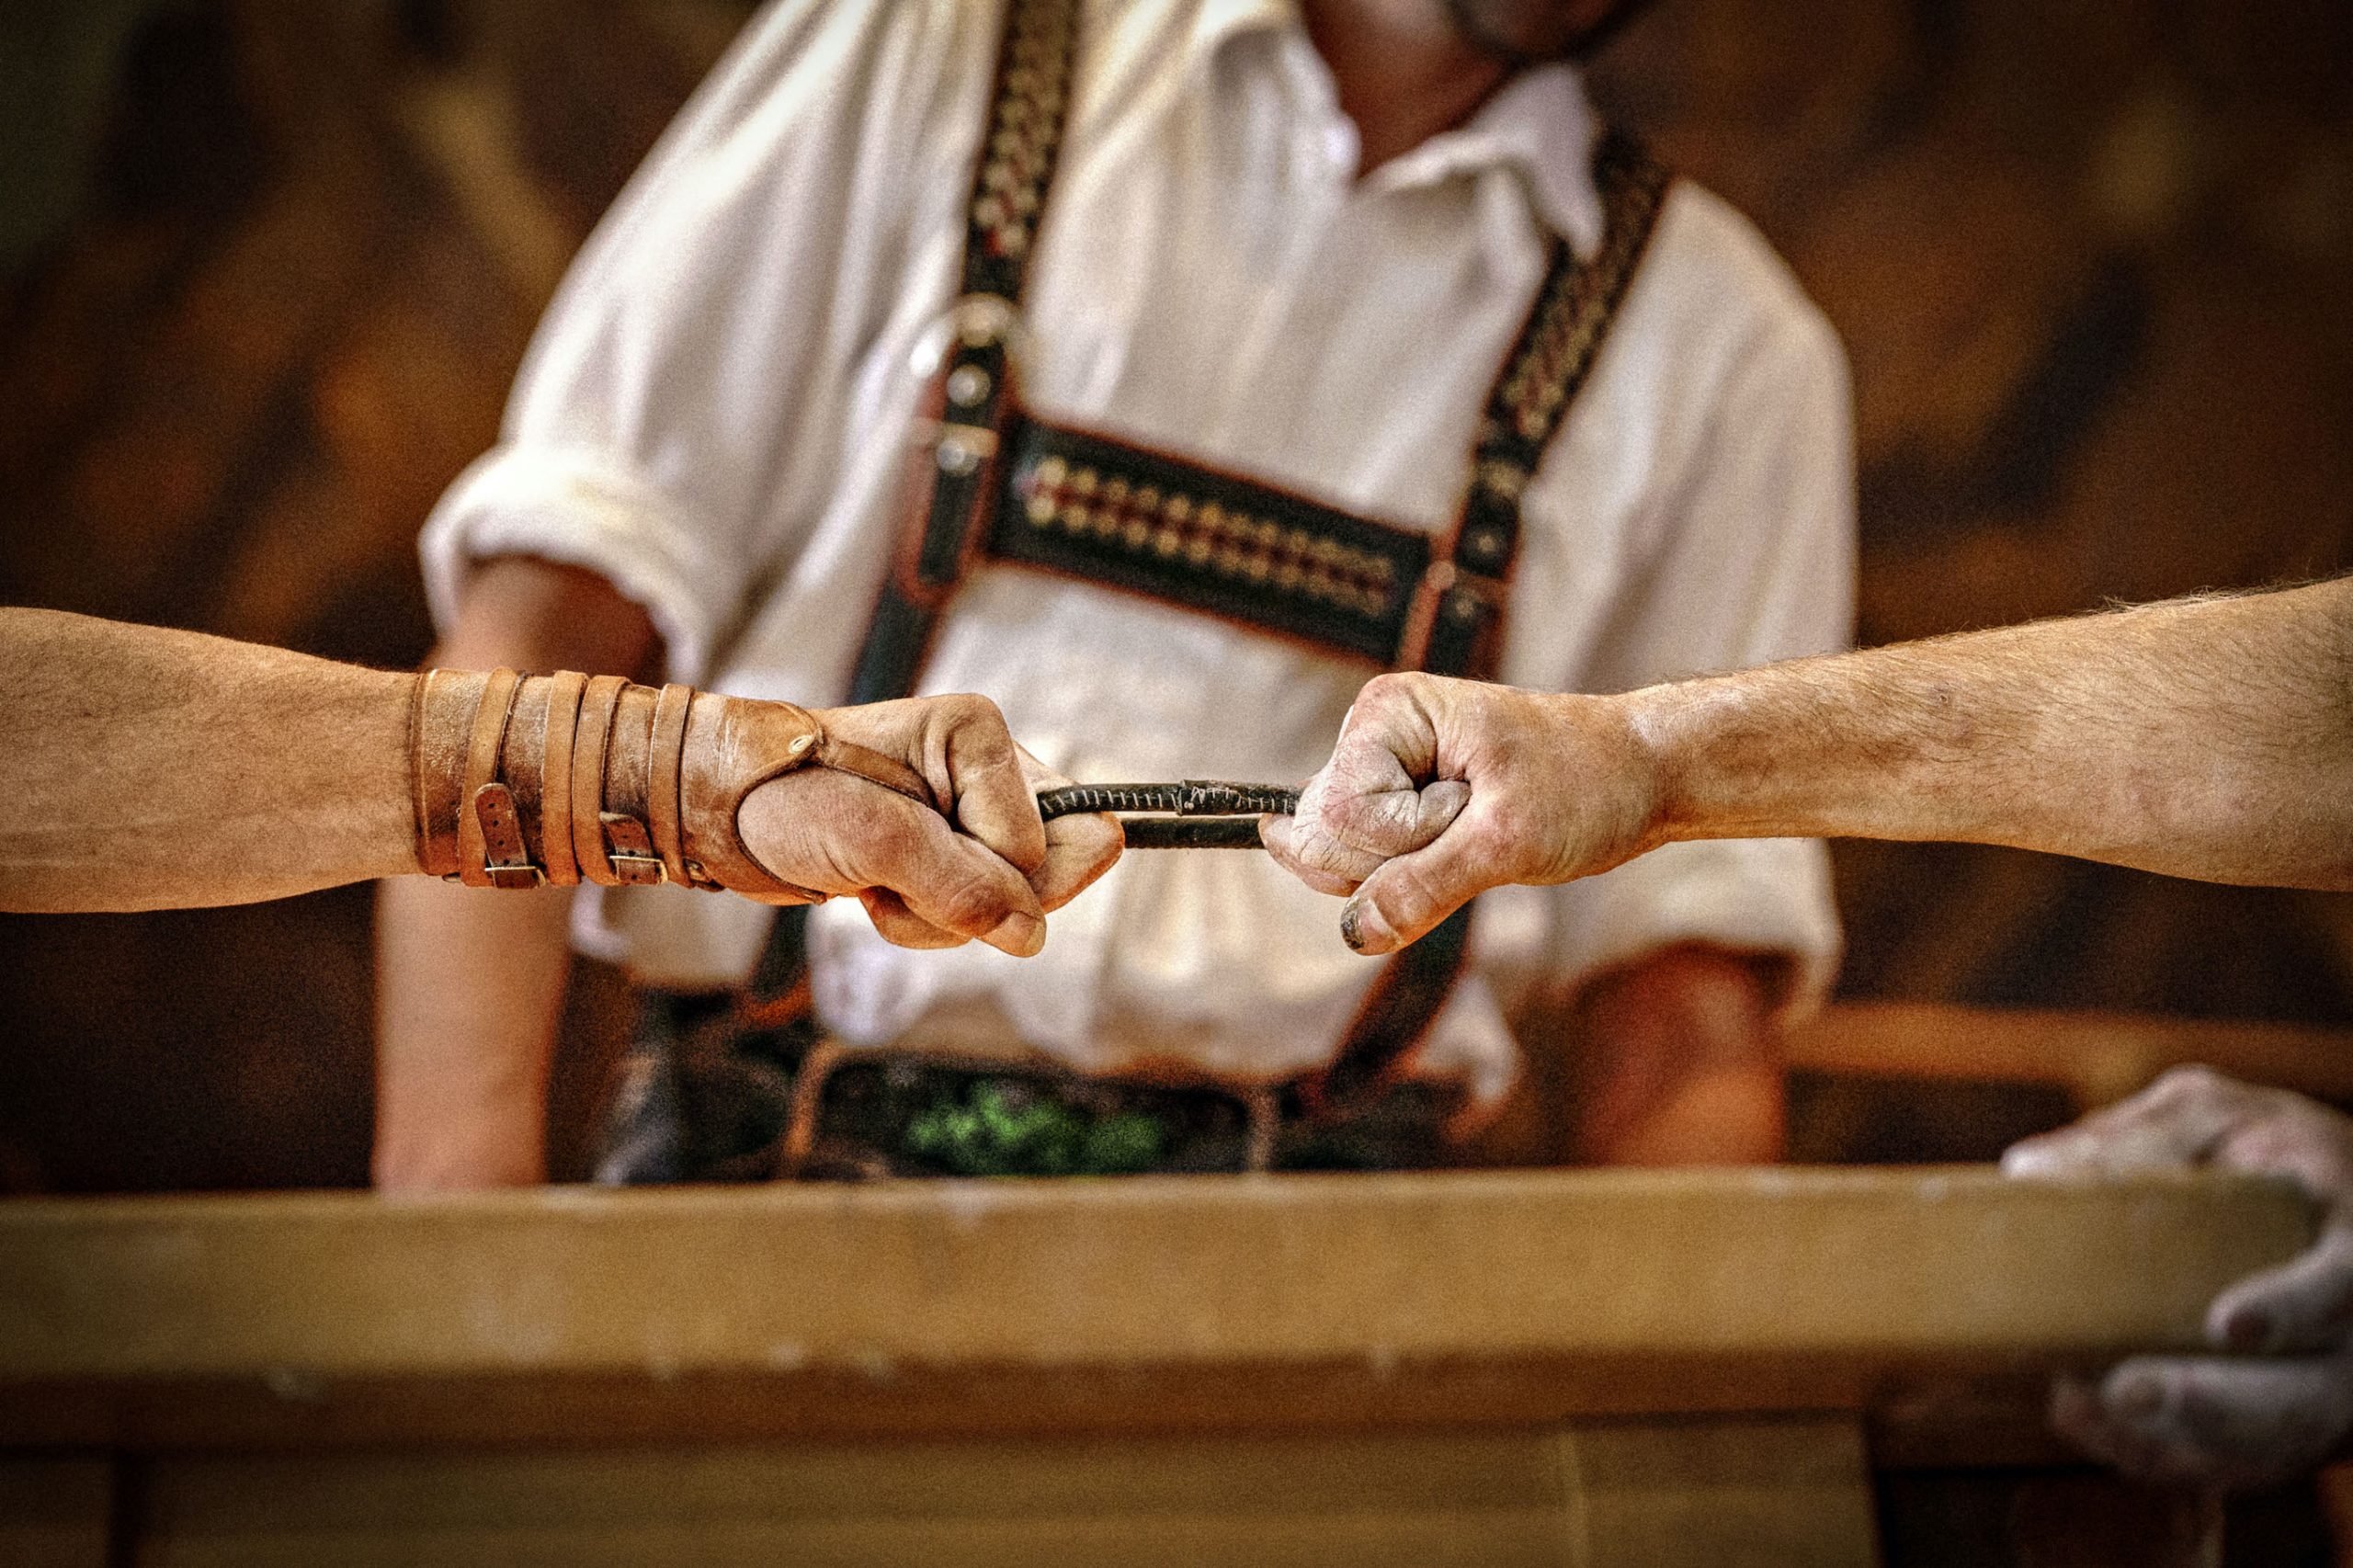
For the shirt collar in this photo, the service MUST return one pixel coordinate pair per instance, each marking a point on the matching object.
(1540, 126)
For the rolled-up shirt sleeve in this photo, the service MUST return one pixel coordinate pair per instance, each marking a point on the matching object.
(680, 416)
(1754, 561)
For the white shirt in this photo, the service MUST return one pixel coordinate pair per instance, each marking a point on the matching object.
(715, 414)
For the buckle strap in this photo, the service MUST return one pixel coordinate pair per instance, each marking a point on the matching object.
(479, 781)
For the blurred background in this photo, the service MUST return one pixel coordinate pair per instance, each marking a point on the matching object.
(267, 268)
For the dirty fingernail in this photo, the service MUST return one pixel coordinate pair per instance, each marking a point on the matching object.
(1020, 935)
(1362, 927)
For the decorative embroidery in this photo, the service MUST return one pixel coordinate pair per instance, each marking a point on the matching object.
(1205, 536)
(1024, 131)
(1100, 509)
(1573, 312)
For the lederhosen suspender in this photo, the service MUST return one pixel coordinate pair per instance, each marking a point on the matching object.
(996, 484)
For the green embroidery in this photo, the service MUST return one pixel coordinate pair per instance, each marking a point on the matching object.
(995, 1132)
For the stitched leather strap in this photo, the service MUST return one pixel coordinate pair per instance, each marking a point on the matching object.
(1107, 511)
(662, 779)
(847, 757)
(482, 769)
(592, 742)
(441, 725)
(562, 728)
(609, 781)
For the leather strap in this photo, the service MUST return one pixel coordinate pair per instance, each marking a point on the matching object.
(561, 727)
(437, 767)
(1457, 619)
(1029, 102)
(507, 863)
(615, 782)
(489, 736)
(591, 742)
(847, 756)
(957, 469)
(661, 807)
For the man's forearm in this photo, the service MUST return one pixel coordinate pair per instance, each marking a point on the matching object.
(1679, 1064)
(2203, 738)
(147, 768)
(470, 988)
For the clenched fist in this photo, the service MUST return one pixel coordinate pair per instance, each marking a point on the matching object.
(1439, 789)
(983, 866)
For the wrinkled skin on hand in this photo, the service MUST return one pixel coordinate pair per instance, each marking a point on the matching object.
(1439, 789)
(983, 866)
(2216, 1420)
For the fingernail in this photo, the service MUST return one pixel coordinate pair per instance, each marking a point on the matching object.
(1362, 927)
(1021, 935)
(2248, 1328)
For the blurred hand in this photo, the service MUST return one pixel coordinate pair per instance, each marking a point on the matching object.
(1440, 789)
(984, 865)
(2218, 1420)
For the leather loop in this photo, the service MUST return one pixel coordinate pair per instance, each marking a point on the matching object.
(420, 823)
(591, 740)
(562, 865)
(733, 745)
(847, 757)
(435, 769)
(662, 804)
(482, 767)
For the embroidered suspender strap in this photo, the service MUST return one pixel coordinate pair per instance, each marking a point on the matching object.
(1088, 507)
(1460, 608)
(956, 467)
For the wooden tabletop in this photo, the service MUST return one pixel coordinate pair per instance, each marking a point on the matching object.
(1127, 1303)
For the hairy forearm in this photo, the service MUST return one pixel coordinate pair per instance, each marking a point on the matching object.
(147, 768)
(2207, 738)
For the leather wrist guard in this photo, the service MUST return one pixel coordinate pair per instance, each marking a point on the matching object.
(520, 780)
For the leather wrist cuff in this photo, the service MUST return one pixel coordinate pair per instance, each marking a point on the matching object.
(525, 780)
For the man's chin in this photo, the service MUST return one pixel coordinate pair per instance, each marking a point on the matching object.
(1521, 33)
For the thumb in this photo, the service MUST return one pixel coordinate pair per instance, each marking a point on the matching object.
(1404, 898)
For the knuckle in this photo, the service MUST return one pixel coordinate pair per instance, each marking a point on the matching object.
(969, 706)
(2195, 1083)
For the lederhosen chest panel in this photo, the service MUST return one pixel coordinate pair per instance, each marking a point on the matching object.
(993, 483)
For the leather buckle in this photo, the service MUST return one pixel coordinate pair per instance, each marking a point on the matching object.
(506, 863)
(631, 850)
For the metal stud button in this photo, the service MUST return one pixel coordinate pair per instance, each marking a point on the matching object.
(968, 384)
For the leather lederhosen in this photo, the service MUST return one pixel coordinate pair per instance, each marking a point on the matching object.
(996, 484)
